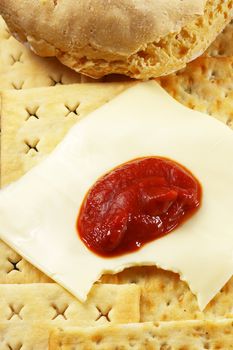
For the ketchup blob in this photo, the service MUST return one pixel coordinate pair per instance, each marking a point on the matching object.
(136, 203)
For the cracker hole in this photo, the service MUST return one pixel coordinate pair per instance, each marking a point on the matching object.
(72, 109)
(188, 89)
(134, 281)
(59, 311)
(165, 346)
(32, 112)
(15, 347)
(16, 58)
(229, 122)
(151, 334)
(56, 81)
(98, 339)
(18, 85)
(103, 314)
(15, 312)
(31, 146)
(133, 343)
(14, 265)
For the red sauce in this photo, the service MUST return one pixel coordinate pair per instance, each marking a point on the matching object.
(137, 203)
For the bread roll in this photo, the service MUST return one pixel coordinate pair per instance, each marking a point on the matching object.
(138, 38)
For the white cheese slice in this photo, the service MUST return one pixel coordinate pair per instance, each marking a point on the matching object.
(38, 213)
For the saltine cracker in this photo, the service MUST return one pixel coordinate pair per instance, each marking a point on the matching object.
(50, 302)
(164, 297)
(190, 335)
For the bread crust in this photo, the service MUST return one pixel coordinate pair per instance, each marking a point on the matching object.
(99, 37)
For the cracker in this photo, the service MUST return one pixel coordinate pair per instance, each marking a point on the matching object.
(164, 297)
(24, 77)
(34, 121)
(14, 269)
(205, 85)
(20, 68)
(50, 305)
(50, 302)
(25, 335)
(190, 335)
(223, 45)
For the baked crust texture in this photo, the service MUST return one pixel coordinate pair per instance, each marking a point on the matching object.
(141, 39)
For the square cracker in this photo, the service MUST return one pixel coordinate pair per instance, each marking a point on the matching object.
(206, 85)
(190, 335)
(164, 297)
(34, 121)
(20, 68)
(50, 302)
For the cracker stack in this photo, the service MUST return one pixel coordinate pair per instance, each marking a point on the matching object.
(141, 307)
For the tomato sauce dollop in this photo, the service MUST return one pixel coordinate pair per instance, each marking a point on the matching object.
(137, 203)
